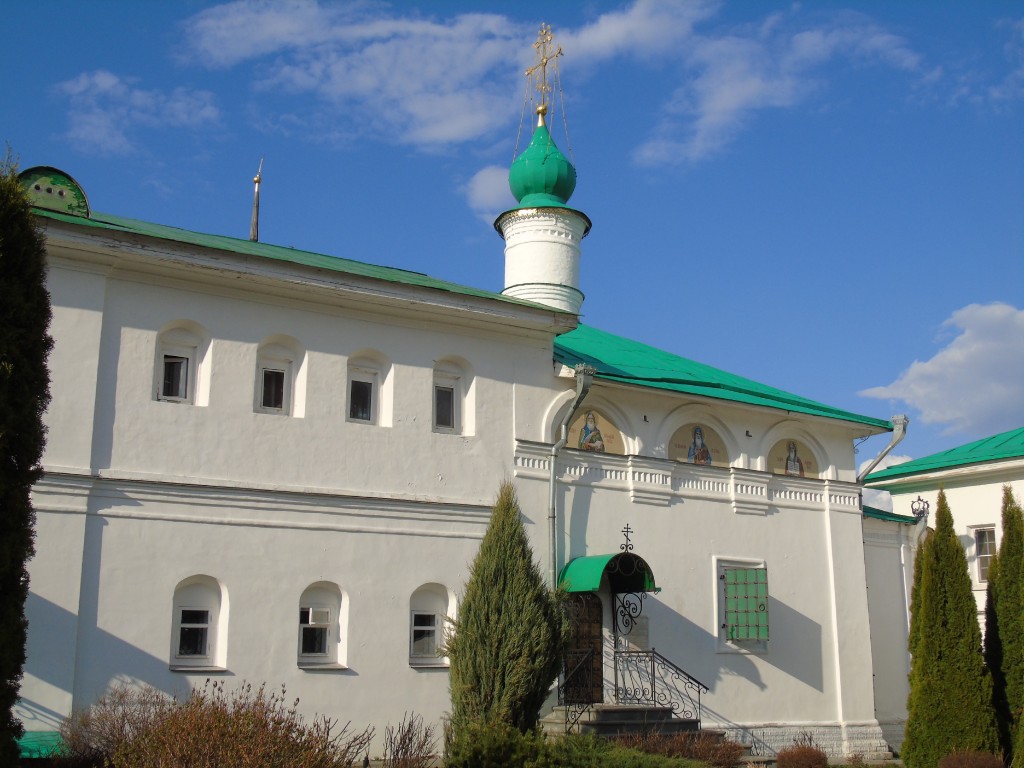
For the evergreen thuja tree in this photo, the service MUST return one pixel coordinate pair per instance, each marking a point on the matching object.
(506, 646)
(950, 704)
(1004, 623)
(24, 395)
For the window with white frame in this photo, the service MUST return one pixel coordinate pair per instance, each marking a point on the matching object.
(199, 627)
(984, 550)
(322, 617)
(448, 399)
(424, 638)
(314, 630)
(362, 395)
(274, 375)
(177, 364)
(428, 618)
(194, 633)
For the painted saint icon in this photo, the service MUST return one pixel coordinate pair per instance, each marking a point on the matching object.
(699, 453)
(590, 435)
(794, 466)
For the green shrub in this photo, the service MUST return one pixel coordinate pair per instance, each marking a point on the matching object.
(506, 647)
(801, 756)
(950, 703)
(971, 759)
(494, 745)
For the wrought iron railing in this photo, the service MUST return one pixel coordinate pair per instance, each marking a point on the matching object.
(575, 691)
(648, 678)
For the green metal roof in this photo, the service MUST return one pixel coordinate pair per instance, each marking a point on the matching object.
(39, 743)
(892, 517)
(276, 252)
(630, 362)
(583, 574)
(1001, 447)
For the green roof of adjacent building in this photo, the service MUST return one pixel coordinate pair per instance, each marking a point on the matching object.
(892, 517)
(1001, 447)
(630, 362)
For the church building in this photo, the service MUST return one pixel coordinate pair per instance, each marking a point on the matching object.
(270, 465)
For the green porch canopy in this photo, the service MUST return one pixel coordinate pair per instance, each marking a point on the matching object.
(626, 573)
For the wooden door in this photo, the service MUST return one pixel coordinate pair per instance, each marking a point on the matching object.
(584, 682)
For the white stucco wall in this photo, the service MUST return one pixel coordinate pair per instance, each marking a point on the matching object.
(140, 494)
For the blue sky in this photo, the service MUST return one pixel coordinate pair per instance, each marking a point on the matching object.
(827, 197)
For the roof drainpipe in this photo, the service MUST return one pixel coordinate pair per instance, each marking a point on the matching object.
(584, 380)
(899, 431)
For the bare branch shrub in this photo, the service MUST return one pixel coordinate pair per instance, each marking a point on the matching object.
(970, 759)
(117, 717)
(212, 728)
(707, 747)
(410, 744)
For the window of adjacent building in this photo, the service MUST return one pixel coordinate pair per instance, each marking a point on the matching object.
(984, 549)
(199, 626)
(429, 614)
(322, 617)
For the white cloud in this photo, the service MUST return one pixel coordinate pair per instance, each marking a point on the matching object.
(488, 194)
(730, 76)
(975, 384)
(429, 82)
(873, 497)
(409, 80)
(106, 108)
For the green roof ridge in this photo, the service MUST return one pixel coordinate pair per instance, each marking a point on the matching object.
(279, 253)
(620, 359)
(1000, 447)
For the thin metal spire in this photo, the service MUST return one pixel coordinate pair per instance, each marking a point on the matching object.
(254, 227)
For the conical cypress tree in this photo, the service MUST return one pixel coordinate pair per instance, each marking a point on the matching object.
(506, 647)
(1004, 623)
(950, 704)
(24, 395)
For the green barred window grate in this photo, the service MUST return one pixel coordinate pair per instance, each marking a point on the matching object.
(746, 604)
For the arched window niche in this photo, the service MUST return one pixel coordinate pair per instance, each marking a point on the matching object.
(199, 636)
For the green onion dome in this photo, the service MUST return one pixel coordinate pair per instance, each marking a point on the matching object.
(542, 177)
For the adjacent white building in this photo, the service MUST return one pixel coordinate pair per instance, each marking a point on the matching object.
(973, 477)
(276, 466)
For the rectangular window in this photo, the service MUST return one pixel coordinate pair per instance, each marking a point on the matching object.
(314, 626)
(273, 389)
(193, 632)
(423, 642)
(360, 400)
(175, 378)
(444, 407)
(745, 595)
(984, 549)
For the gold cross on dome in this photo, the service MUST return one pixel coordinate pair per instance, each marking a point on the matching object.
(544, 55)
